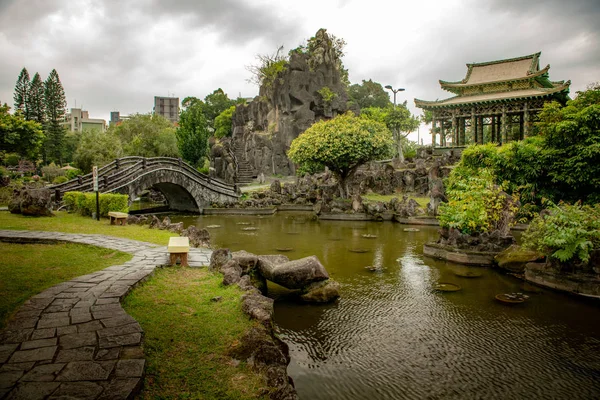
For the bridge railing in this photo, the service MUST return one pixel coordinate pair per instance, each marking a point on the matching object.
(122, 171)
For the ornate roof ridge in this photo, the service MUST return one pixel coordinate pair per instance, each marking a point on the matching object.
(532, 68)
(541, 92)
(529, 76)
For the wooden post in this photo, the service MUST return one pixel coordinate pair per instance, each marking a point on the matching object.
(433, 121)
(503, 124)
(442, 136)
(454, 130)
(521, 126)
(526, 120)
(473, 125)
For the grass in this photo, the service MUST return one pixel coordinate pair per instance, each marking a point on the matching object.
(387, 197)
(28, 269)
(74, 223)
(187, 337)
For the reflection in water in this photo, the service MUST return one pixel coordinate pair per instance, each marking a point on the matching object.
(390, 336)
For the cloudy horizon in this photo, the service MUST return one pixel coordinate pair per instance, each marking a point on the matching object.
(116, 57)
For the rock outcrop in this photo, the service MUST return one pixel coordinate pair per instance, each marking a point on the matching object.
(309, 88)
(31, 201)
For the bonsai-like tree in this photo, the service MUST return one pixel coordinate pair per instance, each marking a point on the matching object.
(342, 144)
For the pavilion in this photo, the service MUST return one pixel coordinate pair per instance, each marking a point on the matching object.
(497, 101)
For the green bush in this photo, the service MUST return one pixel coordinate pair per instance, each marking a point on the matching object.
(475, 203)
(85, 203)
(205, 167)
(566, 233)
(51, 171)
(73, 173)
(11, 159)
(60, 179)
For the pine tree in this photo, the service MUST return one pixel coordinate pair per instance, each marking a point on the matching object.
(21, 93)
(55, 104)
(36, 100)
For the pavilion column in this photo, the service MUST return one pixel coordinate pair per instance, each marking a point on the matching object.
(503, 124)
(454, 130)
(442, 136)
(473, 125)
(433, 121)
(479, 130)
(462, 128)
(525, 120)
(493, 129)
(521, 126)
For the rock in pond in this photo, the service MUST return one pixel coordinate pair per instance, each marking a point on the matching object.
(294, 274)
(321, 292)
(514, 258)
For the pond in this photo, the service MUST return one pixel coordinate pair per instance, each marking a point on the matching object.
(392, 336)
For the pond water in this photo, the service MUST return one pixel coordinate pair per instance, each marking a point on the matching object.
(392, 336)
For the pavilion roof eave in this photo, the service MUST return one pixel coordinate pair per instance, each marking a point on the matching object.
(473, 100)
(447, 85)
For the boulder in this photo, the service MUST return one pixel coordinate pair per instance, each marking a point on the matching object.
(197, 237)
(257, 306)
(245, 283)
(155, 223)
(276, 187)
(247, 261)
(32, 202)
(232, 272)
(321, 292)
(294, 274)
(219, 258)
(514, 258)
(176, 228)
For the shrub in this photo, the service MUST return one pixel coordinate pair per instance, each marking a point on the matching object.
(57, 180)
(11, 159)
(566, 233)
(475, 203)
(73, 173)
(51, 171)
(205, 167)
(85, 203)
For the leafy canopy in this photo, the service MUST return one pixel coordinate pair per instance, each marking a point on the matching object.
(369, 94)
(342, 144)
(20, 136)
(223, 123)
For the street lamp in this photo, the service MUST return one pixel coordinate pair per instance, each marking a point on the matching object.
(394, 91)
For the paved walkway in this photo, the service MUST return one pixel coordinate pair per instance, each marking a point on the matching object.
(74, 340)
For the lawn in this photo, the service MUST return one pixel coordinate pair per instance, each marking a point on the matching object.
(187, 337)
(74, 223)
(28, 269)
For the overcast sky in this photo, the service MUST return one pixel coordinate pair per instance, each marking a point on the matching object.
(118, 55)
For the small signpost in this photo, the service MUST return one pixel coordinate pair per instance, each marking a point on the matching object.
(95, 180)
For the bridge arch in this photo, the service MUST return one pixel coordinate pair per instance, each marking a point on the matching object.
(184, 187)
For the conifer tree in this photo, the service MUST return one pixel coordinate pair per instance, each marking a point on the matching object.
(21, 93)
(36, 100)
(55, 104)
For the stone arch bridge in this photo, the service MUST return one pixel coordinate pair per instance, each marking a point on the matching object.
(184, 187)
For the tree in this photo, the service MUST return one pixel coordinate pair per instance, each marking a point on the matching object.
(96, 148)
(20, 136)
(342, 144)
(146, 135)
(21, 93)
(214, 104)
(55, 108)
(36, 100)
(369, 94)
(193, 132)
(223, 123)
(572, 145)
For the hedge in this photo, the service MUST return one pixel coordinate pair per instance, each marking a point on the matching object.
(85, 203)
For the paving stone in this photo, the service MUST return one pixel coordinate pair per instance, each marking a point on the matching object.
(123, 340)
(120, 330)
(53, 322)
(121, 389)
(6, 351)
(77, 354)
(110, 300)
(108, 314)
(107, 307)
(76, 289)
(78, 340)
(33, 390)
(15, 336)
(54, 315)
(58, 302)
(43, 353)
(59, 307)
(86, 371)
(34, 344)
(117, 321)
(43, 373)
(10, 378)
(91, 326)
(22, 323)
(23, 367)
(84, 303)
(80, 318)
(43, 333)
(108, 354)
(133, 368)
(132, 352)
(66, 330)
(28, 314)
(77, 390)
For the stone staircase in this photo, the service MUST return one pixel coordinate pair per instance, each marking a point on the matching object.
(245, 172)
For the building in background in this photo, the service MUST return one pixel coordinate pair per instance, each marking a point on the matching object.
(79, 120)
(116, 118)
(168, 107)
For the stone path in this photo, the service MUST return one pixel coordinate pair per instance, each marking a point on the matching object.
(74, 340)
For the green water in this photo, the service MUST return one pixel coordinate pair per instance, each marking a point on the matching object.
(391, 336)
